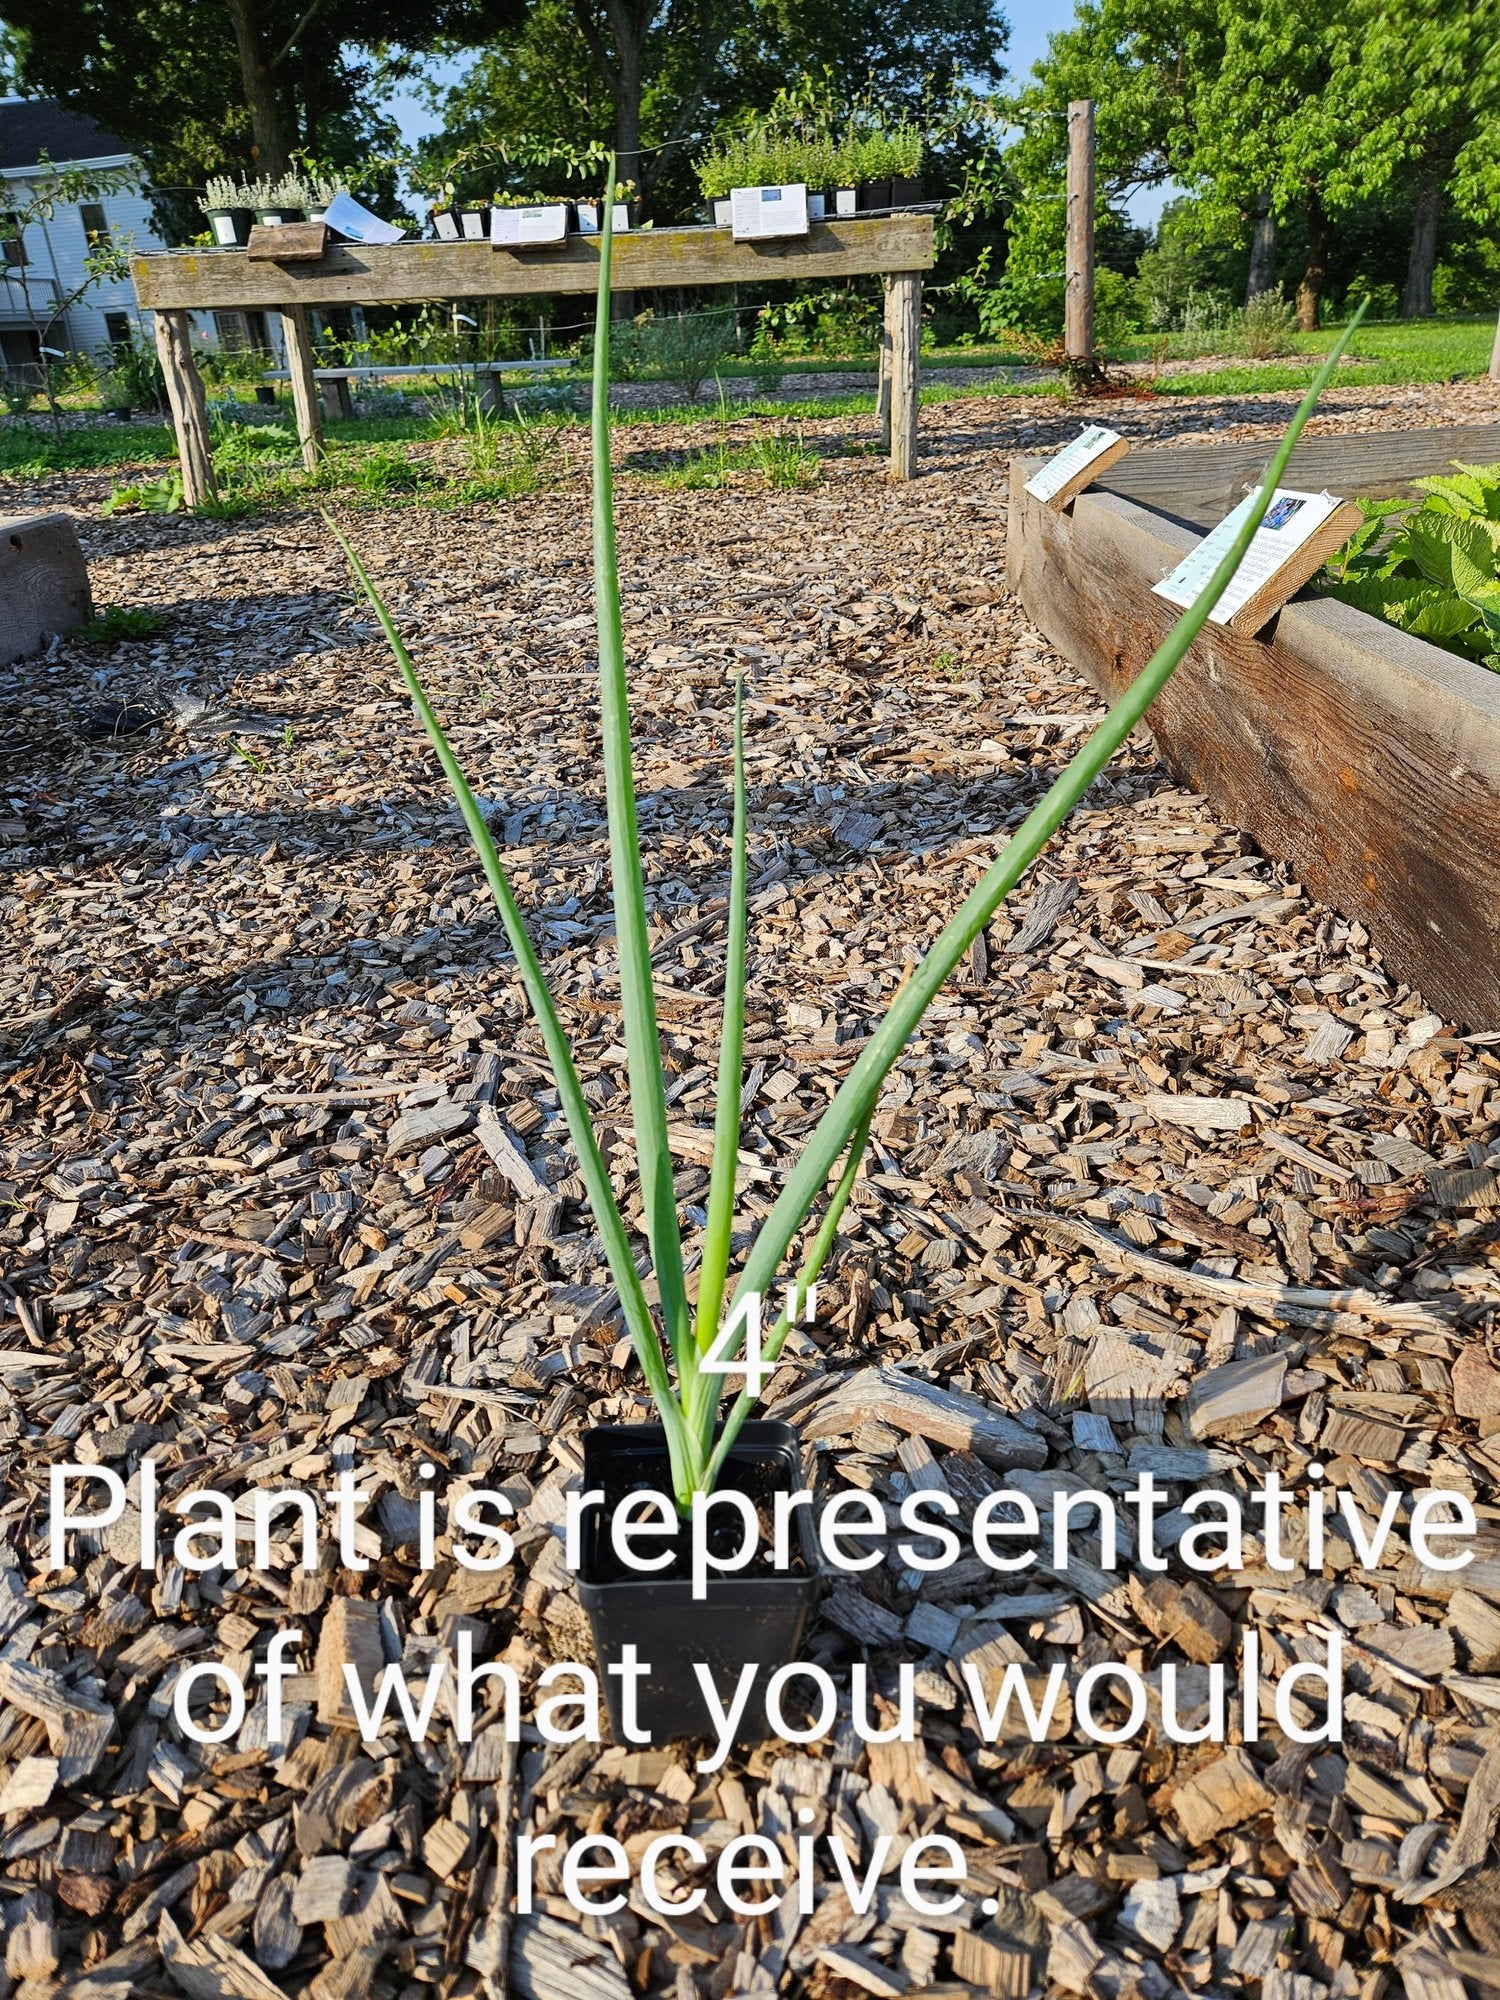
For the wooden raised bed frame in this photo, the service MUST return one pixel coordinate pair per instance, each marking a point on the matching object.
(1366, 759)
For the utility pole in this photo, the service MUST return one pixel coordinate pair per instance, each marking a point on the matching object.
(1078, 331)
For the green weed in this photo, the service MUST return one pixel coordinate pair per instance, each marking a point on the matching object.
(119, 621)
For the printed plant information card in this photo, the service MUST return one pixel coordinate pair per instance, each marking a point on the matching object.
(1077, 463)
(1292, 519)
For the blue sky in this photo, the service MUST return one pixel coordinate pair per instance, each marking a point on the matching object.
(1031, 22)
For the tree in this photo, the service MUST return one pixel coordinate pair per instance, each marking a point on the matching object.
(32, 204)
(194, 86)
(649, 75)
(1423, 106)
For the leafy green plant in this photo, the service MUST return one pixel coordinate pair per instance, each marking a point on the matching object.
(132, 377)
(152, 496)
(1431, 569)
(703, 1345)
(119, 621)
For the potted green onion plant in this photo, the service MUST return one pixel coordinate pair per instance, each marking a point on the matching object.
(687, 1348)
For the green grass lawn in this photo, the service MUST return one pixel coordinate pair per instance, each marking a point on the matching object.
(1387, 353)
(1391, 352)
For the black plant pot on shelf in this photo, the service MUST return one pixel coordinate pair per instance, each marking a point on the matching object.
(874, 196)
(230, 226)
(905, 189)
(747, 1615)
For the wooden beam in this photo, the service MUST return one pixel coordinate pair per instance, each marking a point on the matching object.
(299, 361)
(1495, 355)
(903, 321)
(1078, 324)
(188, 405)
(1365, 758)
(411, 273)
(1199, 483)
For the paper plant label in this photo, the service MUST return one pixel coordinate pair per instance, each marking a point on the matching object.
(1291, 519)
(546, 223)
(1058, 472)
(756, 213)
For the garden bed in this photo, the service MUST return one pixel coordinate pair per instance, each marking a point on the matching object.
(1367, 759)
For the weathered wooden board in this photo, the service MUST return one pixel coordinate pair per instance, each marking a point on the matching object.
(287, 242)
(1368, 760)
(409, 273)
(1201, 482)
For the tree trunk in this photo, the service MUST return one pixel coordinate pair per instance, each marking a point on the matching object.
(1262, 250)
(269, 141)
(1416, 300)
(1315, 275)
(629, 58)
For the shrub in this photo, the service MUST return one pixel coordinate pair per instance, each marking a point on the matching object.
(1266, 326)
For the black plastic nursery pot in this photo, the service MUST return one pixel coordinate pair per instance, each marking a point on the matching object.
(905, 189)
(874, 196)
(747, 1616)
(230, 226)
(273, 217)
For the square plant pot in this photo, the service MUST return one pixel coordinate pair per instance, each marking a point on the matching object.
(445, 223)
(751, 1615)
(905, 189)
(590, 215)
(874, 197)
(231, 226)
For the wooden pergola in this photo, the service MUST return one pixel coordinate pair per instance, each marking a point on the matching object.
(177, 282)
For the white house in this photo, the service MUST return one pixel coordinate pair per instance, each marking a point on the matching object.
(54, 251)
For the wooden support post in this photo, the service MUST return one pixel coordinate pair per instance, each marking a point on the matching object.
(188, 405)
(1078, 332)
(1495, 355)
(903, 330)
(299, 361)
(883, 376)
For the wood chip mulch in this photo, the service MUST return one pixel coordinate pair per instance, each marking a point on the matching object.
(1176, 1177)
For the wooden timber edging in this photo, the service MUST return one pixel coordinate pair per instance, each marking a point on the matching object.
(1200, 483)
(1366, 759)
(411, 273)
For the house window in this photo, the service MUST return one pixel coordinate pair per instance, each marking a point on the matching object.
(95, 225)
(12, 243)
(117, 329)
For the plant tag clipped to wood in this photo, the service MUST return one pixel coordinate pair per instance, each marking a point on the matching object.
(1299, 533)
(1077, 465)
(761, 212)
(518, 228)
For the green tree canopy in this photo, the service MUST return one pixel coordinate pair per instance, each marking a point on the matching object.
(644, 75)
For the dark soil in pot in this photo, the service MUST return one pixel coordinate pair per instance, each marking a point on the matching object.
(757, 1614)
